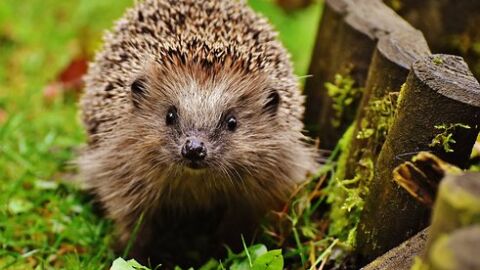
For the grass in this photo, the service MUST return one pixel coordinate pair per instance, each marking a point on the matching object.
(45, 221)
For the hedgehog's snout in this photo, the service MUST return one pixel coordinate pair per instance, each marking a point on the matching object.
(194, 150)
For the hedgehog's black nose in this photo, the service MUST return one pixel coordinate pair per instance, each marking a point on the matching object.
(194, 150)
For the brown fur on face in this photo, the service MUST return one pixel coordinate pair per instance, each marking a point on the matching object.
(208, 60)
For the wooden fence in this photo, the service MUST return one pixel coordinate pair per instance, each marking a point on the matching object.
(374, 73)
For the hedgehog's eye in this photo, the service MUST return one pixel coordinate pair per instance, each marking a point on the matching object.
(231, 123)
(171, 117)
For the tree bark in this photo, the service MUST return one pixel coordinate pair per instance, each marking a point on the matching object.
(345, 42)
(439, 91)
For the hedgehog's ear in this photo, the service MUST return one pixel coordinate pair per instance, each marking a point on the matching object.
(138, 91)
(272, 102)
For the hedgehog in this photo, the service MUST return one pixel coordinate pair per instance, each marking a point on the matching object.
(194, 124)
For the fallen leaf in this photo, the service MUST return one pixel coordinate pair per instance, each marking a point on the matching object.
(74, 72)
(69, 80)
(421, 176)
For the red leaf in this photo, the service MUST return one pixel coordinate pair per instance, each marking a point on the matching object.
(69, 80)
(74, 72)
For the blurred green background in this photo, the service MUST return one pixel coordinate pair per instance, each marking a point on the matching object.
(44, 222)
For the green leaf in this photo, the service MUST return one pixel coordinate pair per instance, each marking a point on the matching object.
(240, 265)
(272, 260)
(257, 251)
(241, 262)
(121, 264)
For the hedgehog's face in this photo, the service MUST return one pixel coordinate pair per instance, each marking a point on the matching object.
(206, 122)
